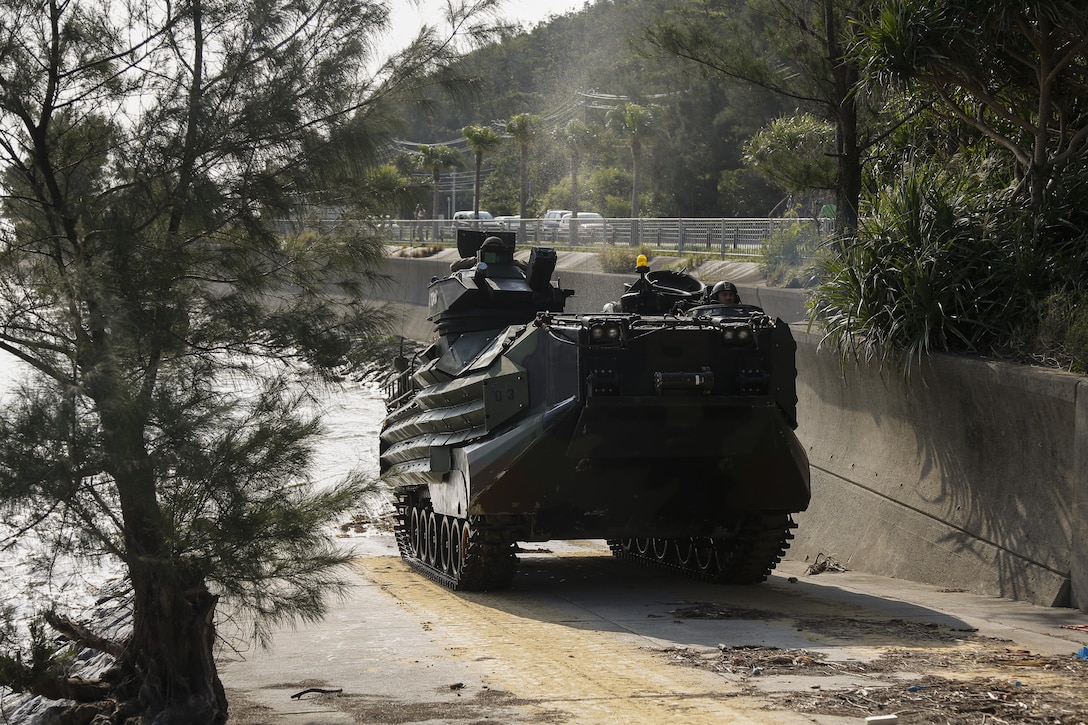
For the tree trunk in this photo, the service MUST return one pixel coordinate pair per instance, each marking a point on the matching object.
(168, 661)
(572, 228)
(575, 163)
(172, 647)
(476, 192)
(848, 191)
(849, 169)
(524, 192)
(436, 176)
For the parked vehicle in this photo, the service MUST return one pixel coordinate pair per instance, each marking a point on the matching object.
(388, 225)
(550, 223)
(466, 220)
(590, 224)
(514, 224)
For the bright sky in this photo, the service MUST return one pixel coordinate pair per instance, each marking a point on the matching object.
(408, 16)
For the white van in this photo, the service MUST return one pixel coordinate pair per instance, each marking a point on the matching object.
(464, 220)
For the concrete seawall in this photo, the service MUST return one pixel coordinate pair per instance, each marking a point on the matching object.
(971, 475)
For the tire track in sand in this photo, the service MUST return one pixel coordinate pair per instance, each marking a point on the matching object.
(562, 664)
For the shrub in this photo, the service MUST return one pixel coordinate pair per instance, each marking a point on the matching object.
(784, 256)
(621, 260)
(1061, 339)
(934, 267)
(687, 262)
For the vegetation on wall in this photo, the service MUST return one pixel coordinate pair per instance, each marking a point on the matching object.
(974, 231)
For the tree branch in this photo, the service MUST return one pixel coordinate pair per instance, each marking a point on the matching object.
(83, 636)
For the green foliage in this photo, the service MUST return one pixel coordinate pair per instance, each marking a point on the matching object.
(798, 50)
(622, 261)
(174, 337)
(436, 159)
(704, 121)
(784, 256)
(557, 197)
(614, 207)
(745, 193)
(795, 152)
(1013, 71)
(932, 269)
(481, 140)
(606, 191)
(26, 664)
(524, 128)
(1062, 336)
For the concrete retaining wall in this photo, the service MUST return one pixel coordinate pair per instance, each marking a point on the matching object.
(970, 475)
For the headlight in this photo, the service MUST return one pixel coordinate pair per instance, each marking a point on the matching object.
(606, 333)
(737, 335)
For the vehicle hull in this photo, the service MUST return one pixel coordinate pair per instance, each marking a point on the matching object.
(623, 426)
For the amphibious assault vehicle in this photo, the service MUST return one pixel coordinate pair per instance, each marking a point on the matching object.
(665, 426)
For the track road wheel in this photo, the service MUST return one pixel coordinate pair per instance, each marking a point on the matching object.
(706, 556)
(457, 543)
(432, 539)
(685, 551)
(661, 549)
(414, 533)
(445, 557)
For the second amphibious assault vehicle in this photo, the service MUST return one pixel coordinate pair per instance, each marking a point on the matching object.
(665, 427)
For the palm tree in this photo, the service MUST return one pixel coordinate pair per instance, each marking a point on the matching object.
(576, 136)
(523, 128)
(634, 123)
(437, 158)
(481, 139)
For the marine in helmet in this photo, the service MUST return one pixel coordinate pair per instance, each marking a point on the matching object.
(493, 251)
(724, 293)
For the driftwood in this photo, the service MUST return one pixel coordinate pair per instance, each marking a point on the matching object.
(83, 636)
(320, 690)
(72, 688)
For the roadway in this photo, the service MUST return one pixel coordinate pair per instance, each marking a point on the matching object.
(584, 638)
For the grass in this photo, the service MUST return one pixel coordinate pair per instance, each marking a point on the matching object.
(621, 260)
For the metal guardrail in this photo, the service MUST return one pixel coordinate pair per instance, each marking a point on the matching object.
(719, 236)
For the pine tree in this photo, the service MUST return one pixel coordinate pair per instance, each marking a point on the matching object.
(148, 278)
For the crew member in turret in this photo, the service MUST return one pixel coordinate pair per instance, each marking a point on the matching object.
(725, 293)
